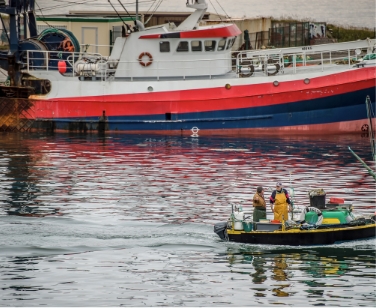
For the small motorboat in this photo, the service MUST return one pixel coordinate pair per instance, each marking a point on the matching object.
(317, 225)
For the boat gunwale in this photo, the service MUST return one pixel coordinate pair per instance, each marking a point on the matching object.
(292, 231)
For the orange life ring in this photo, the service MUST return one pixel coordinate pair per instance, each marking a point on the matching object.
(145, 54)
(67, 45)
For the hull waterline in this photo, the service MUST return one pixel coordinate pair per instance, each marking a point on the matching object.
(304, 237)
(319, 107)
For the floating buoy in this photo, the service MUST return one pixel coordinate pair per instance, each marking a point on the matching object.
(62, 67)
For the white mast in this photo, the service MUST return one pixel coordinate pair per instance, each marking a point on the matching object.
(194, 19)
(136, 9)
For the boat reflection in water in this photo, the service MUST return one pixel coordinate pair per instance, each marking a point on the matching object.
(280, 271)
(57, 171)
(25, 178)
(262, 264)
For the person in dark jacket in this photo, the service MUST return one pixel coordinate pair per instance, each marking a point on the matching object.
(259, 205)
(280, 203)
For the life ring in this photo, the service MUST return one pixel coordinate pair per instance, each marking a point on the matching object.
(145, 54)
(46, 86)
(277, 68)
(67, 45)
(250, 67)
(311, 209)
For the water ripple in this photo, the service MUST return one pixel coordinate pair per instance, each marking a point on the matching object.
(128, 220)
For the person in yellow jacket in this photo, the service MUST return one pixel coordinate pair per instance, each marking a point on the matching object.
(280, 203)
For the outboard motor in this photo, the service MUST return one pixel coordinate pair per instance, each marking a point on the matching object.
(220, 229)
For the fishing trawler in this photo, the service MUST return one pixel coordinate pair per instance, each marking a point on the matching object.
(179, 80)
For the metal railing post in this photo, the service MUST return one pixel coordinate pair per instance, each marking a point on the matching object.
(73, 65)
(349, 56)
(237, 66)
(158, 70)
(294, 63)
(322, 62)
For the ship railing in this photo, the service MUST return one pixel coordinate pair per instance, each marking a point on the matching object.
(94, 65)
(274, 61)
(49, 60)
(243, 64)
(95, 48)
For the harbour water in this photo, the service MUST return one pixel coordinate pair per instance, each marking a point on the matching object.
(128, 220)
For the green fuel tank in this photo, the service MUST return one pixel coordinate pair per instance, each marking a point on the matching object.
(331, 217)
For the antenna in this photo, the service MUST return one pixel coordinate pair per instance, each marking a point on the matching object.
(126, 9)
(136, 25)
(117, 13)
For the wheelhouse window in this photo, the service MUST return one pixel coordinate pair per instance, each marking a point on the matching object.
(228, 43)
(182, 47)
(221, 44)
(164, 46)
(231, 43)
(209, 45)
(196, 46)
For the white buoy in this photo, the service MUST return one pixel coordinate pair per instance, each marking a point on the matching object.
(238, 223)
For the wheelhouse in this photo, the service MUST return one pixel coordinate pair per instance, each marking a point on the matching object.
(185, 53)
